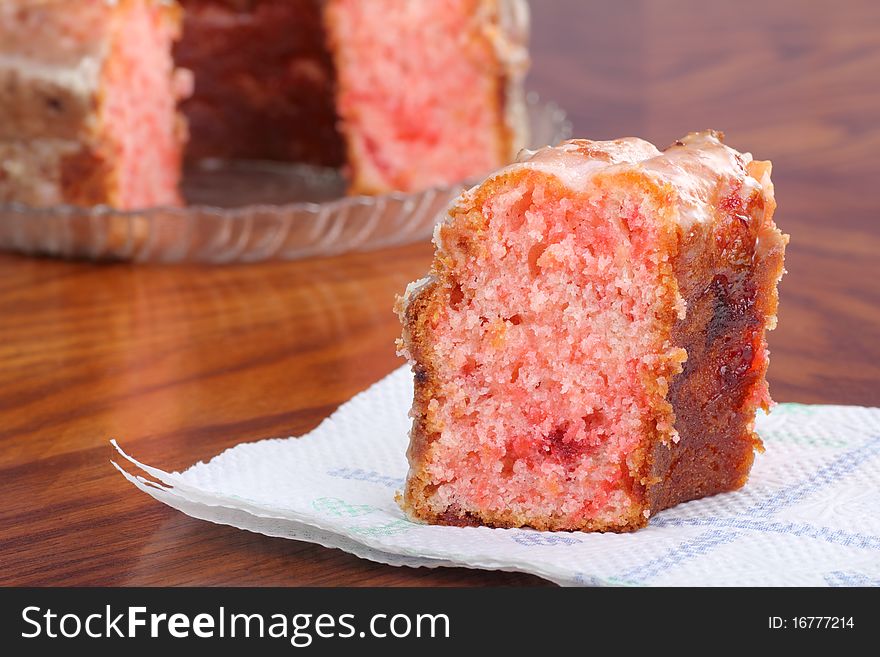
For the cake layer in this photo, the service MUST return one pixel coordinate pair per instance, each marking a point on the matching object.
(589, 348)
(39, 100)
(50, 60)
(88, 92)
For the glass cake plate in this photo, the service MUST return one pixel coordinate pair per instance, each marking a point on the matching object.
(249, 211)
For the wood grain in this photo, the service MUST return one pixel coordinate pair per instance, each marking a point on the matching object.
(183, 362)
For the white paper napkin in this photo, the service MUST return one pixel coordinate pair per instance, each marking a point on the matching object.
(809, 515)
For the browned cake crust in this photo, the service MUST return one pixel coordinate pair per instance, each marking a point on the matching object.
(264, 81)
(726, 270)
(727, 275)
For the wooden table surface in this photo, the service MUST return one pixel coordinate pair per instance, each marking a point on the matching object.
(183, 362)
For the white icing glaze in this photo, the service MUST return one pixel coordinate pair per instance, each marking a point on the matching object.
(574, 161)
(692, 166)
(81, 77)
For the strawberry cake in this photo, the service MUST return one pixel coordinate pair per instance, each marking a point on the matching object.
(403, 95)
(589, 348)
(88, 94)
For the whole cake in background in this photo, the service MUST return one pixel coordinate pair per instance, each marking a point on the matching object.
(88, 94)
(405, 94)
(589, 348)
(402, 94)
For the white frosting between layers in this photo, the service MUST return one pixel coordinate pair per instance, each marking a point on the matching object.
(80, 78)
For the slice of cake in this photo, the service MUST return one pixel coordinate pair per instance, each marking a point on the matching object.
(87, 103)
(590, 346)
